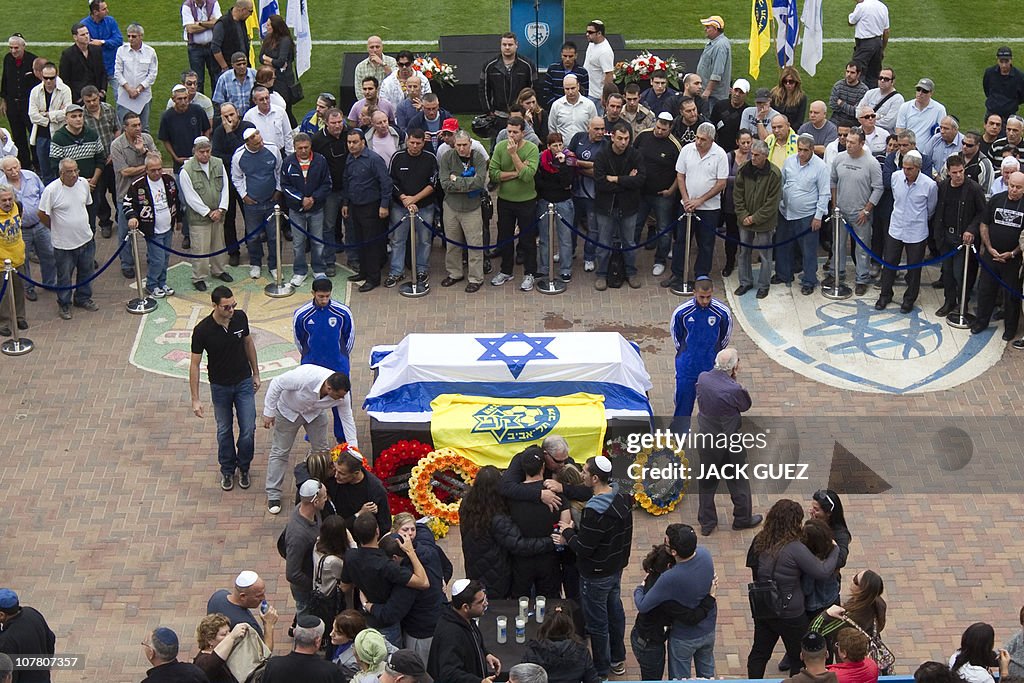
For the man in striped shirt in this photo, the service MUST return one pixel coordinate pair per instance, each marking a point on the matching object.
(75, 141)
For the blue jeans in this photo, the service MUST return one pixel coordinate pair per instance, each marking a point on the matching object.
(301, 598)
(650, 655)
(785, 255)
(156, 260)
(80, 260)
(585, 207)
(605, 620)
(242, 398)
(37, 239)
(255, 215)
(665, 213)
(313, 223)
(399, 238)
(562, 233)
(127, 257)
(701, 650)
(200, 60)
(703, 227)
(143, 115)
(611, 229)
(43, 155)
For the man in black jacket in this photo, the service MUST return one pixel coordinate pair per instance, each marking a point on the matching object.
(15, 86)
(82, 64)
(619, 176)
(955, 222)
(230, 35)
(503, 78)
(602, 545)
(556, 456)
(227, 138)
(25, 632)
(458, 653)
(330, 142)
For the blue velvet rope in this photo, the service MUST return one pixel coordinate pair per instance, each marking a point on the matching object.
(57, 288)
(909, 266)
(500, 243)
(638, 245)
(992, 274)
(340, 247)
(245, 238)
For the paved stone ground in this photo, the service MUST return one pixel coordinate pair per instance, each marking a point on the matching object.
(115, 522)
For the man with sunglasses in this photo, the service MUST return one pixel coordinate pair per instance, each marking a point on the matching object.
(976, 164)
(556, 457)
(921, 114)
(392, 88)
(874, 135)
(234, 379)
(884, 100)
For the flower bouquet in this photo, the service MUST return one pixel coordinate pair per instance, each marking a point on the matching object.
(435, 71)
(640, 68)
(393, 467)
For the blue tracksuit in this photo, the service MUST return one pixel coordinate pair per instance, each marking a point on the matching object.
(324, 337)
(699, 334)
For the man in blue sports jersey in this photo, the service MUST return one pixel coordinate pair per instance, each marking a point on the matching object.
(324, 334)
(701, 328)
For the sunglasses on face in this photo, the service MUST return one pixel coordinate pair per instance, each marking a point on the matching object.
(884, 78)
(868, 116)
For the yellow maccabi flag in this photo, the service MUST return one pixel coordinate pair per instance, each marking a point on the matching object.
(490, 431)
(252, 27)
(760, 40)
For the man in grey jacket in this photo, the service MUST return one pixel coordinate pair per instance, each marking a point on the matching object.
(463, 176)
(300, 536)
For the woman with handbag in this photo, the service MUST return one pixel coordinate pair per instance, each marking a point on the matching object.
(863, 609)
(327, 599)
(778, 561)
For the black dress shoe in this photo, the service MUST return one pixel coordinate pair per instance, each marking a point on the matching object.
(881, 304)
(945, 310)
(807, 290)
(31, 295)
(367, 287)
(776, 280)
(5, 332)
(860, 289)
(233, 259)
(200, 285)
(186, 242)
(754, 521)
(225, 277)
(762, 293)
(708, 530)
(358, 277)
(727, 271)
(449, 281)
(128, 273)
(22, 324)
(742, 289)
(784, 663)
(487, 266)
(978, 327)
(906, 307)
(1007, 335)
(998, 314)
(937, 284)
(472, 287)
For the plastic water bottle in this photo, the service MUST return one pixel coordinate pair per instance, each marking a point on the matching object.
(559, 547)
(264, 606)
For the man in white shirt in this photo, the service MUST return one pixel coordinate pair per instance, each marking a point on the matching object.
(702, 171)
(135, 69)
(884, 100)
(875, 136)
(571, 113)
(197, 20)
(62, 209)
(870, 19)
(392, 88)
(270, 121)
(599, 62)
(300, 398)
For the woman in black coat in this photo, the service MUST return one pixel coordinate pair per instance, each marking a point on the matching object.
(490, 537)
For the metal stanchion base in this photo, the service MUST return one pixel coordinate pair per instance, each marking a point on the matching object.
(837, 291)
(16, 347)
(552, 286)
(686, 290)
(960, 322)
(414, 289)
(278, 291)
(141, 306)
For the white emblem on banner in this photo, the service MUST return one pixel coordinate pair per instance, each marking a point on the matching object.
(537, 33)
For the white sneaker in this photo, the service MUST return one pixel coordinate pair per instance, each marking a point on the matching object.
(527, 285)
(297, 280)
(500, 279)
(157, 293)
(658, 269)
(255, 272)
(168, 291)
(588, 266)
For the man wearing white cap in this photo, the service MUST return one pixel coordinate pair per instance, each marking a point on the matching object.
(602, 545)
(249, 592)
(727, 114)
(921, 114)
(458, 653)
(300, 537)
(715, 64)
(204, 191)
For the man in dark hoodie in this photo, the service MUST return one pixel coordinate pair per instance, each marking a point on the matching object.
(602, 545)
(458, 653)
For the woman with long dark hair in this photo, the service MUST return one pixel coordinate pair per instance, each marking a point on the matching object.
(278, 51)
(560, 650)
(864, 606)
(973, 661)
(490, 537)
(789, 98)
(777, 553)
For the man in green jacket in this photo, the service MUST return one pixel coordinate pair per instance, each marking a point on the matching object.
(74, 140)
(757, 192)
(513, 166)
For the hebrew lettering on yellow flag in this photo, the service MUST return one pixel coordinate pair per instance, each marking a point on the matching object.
(490, 431)
(760, 40)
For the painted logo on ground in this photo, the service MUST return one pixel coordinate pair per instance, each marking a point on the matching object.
(163, 343)
(850, 345)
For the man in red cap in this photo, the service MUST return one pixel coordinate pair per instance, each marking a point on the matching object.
(715, 64)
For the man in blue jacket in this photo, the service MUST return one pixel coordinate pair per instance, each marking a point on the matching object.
(255, 172)
(701, 327)
(306, 182)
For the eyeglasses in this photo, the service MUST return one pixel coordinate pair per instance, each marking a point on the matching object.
(49, 78)
(884, 78)
(589, 32)
(405, 64)
(192, 83)
(789, 81)
(970, 145)
(868, 116)
(227, 307)
(922, 90)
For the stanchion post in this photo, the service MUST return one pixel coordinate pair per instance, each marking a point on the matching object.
(838, 290)
(414, 288)
(16, 345)
(961, 319)
(278, 289)
(551, 284)
(686, 289)
(142, 303)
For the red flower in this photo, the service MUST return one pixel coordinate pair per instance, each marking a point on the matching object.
(629, 69)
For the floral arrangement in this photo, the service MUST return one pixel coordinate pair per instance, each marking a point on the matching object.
(438, 527)
(640, 68)
(614, 448)
(435, 70)
(432, 472)
(660, 496)
(343, 448)
(392, 467)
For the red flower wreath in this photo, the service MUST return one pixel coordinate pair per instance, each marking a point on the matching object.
(397, 461)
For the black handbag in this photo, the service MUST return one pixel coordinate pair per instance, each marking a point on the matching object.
(766, 599)
(324, 605)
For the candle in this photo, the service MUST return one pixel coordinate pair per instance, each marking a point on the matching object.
(541, 608)
(524, 606)
(503, 630)
(520, 629)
